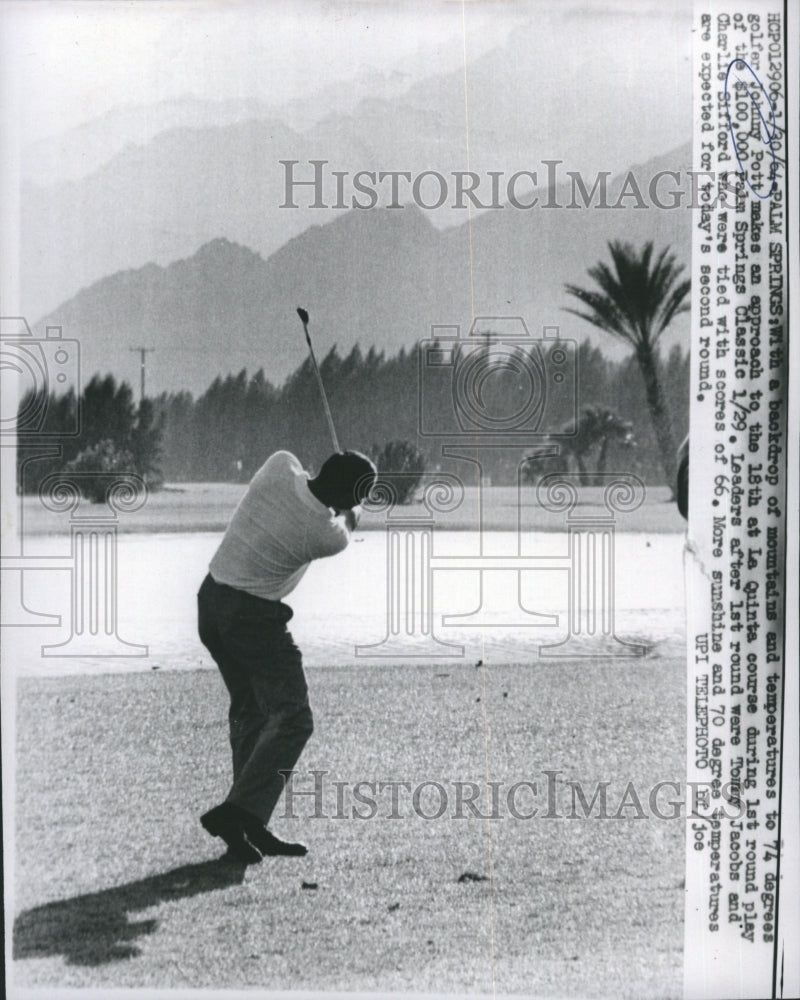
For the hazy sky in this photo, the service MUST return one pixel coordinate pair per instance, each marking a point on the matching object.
(66, 62)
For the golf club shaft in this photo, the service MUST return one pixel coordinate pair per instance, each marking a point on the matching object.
(327, 408)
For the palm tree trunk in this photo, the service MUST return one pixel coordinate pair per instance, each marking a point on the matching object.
(602, 457)
(659, 414)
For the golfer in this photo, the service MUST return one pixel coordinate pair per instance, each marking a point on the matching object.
(284, 520)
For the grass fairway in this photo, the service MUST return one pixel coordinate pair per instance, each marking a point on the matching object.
(116, 882)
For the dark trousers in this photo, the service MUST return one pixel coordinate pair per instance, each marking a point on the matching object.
(270, 718)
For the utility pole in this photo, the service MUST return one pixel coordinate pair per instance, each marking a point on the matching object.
(142, 351)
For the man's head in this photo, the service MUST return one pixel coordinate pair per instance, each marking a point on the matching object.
(344, 480)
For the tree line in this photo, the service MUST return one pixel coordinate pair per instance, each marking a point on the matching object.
(625, 415)
(102, 430)
(226, 433)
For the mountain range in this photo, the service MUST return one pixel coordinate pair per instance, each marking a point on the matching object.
(81, 150)
(154, 185)
(380, 278)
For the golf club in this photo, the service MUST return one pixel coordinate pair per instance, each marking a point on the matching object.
(304, 320)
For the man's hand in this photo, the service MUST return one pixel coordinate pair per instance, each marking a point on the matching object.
(351, 517)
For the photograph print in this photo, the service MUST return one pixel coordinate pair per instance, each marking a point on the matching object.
(346, 361)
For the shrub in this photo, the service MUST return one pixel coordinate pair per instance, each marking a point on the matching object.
(102, 457)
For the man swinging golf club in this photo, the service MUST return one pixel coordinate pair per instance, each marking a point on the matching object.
(284, 520)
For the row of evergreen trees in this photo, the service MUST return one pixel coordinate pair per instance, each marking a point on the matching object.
(103, 430)
(226, 433)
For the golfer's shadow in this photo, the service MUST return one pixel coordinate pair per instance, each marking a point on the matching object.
(96, 928)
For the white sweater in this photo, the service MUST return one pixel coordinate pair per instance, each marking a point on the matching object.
(275, 532)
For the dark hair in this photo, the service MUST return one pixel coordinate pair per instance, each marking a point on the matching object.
(345, 479)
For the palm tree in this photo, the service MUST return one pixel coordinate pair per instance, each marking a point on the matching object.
(580, 445)
(636, 302)
(597, 425)
(610, 428)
